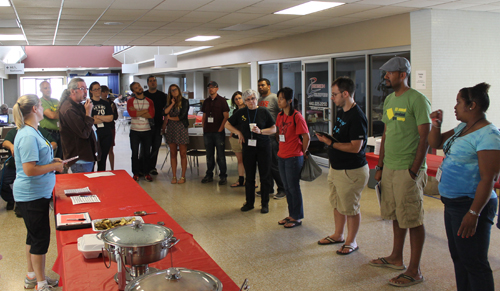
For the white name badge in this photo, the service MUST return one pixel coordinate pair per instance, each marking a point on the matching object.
(58, 124)
(438, 174)
(142, 118)
(282, 138)
(252, 142)
(100, 125)
(210, 120)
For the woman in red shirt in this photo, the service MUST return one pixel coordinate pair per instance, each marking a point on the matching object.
(291, 125)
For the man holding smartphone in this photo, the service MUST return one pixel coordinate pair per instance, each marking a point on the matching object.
(348, 174)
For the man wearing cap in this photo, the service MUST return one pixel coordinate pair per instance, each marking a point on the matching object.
(50, 121)
(401, 169)
(215, 114)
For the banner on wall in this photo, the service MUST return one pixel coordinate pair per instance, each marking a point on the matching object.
(165, 61)
(14, 68)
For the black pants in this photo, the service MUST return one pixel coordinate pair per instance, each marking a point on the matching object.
(36, 218)
(105, 142)
(156, 138)
(142, 139)
(8, 177)
(253, 157)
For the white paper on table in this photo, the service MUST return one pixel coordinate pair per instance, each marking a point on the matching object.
(85, 199)
(99, 174)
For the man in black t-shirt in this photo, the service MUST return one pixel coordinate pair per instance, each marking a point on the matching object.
(349, 172)
(160, 101)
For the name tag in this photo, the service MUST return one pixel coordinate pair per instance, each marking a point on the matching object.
(142, 118)
(100, 125)
(210, 120)
(252, 142)
(282, 138)
(58, 124)
(438, 174)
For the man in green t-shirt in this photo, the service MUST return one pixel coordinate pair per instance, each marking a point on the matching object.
(50, 121)
(401, 169)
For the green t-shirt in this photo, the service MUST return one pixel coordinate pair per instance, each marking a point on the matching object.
(46, 122)
(402, 116)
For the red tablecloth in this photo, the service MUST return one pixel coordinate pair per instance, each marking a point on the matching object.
(120, 196)
(433, 164)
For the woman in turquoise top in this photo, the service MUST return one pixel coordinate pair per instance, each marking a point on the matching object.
(35, 180)
(466, 178)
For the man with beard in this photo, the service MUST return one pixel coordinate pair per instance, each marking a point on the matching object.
(141, 109)
(160, 101)
(401, 169)
(270, 101)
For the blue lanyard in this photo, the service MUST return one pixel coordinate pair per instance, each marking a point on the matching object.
(250, 121)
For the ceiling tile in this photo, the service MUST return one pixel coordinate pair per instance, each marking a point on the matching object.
(37, 3)
(189, 5)
(421, 3)
(382, 12)
(345, 10)
(180, 25)
(236, 18)
(227, 5)
(37, 10)
(164, 15)
(199, 16)
(453, 5)
(134, 4)
(125, 13)
(482, 8)
(337, 21)
(272, 19)
(380, 2)
(148, 24)
(98, 4)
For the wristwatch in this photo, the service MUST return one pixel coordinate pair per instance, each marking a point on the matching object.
(377, 168)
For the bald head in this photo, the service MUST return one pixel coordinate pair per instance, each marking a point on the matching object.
(45, 89)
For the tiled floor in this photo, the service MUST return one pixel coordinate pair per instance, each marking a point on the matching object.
(252, 245)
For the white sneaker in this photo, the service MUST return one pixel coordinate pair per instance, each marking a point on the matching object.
(32, 283)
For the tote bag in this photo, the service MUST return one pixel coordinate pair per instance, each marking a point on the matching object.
(310, 170)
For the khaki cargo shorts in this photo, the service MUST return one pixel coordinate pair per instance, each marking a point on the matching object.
(346, 187)
(402, 197)
(235, 145)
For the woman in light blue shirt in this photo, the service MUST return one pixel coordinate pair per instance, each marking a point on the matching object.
(466, 178)
(35, 180)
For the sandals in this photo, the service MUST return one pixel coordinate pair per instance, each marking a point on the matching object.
(237, 184)
(284, 221)
(292, 223)
(350, 248)
(174, 180)
(182, 180)
(330, 241)
(411, 281)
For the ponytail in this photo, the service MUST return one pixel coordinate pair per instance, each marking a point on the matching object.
(23, 107)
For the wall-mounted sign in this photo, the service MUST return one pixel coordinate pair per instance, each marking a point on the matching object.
(14, 68)
(421, 82)
(165, 61)
(130, 68)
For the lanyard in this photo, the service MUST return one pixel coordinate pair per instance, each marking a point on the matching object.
(46, 141)
(250, 121)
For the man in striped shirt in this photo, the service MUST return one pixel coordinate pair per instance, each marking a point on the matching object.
(141, 109)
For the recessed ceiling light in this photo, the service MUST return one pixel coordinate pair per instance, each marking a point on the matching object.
(4, 3)
(191, 50)
(113, 23)
(6, 37)
(203, 38)
(309, 7)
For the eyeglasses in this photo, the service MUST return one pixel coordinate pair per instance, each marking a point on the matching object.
(335, 94)
(250, 99)
(83, 88)
(173, 89)
(96, 89)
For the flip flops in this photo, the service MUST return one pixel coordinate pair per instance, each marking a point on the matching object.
(292, 223)
(352, 250)
(386, 264)
(284, 221)
(411, 281)
(331, 241)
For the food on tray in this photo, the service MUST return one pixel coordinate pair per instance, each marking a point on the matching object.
(107, 224)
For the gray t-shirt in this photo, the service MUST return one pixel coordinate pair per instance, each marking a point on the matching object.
(271, 103)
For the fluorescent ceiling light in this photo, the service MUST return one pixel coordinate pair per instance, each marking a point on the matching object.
(203, 38)
(4, 3)
(191, 50)
(11, 37)
(309, 7)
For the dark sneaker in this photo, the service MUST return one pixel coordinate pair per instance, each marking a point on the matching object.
(246, 207)
(264, 209)
(153, 172)
(280, 195)
(148, 178)
(136, 178)
(207, 179)
(223, 181)
(10, 205)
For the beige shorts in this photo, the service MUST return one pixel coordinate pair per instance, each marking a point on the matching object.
(402, 197)
(346, 187)
(235, 145)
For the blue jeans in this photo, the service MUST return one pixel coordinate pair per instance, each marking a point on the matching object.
(275, 171)
(82, 167)
(470, 255)
(213, 141)
(290, 175)
(140, 162)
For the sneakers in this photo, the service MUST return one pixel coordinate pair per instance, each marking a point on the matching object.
(31, 283)
(223, 181)
(207, 179)
(280, 195)
(136, 178)
(44, 288)
(153, 172)
(148, 178)
(264, 209)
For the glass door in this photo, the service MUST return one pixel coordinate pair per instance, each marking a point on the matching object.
(317, 104)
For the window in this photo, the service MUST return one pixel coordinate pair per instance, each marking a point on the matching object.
(270, 72)
(291, 77)
(354, 68)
